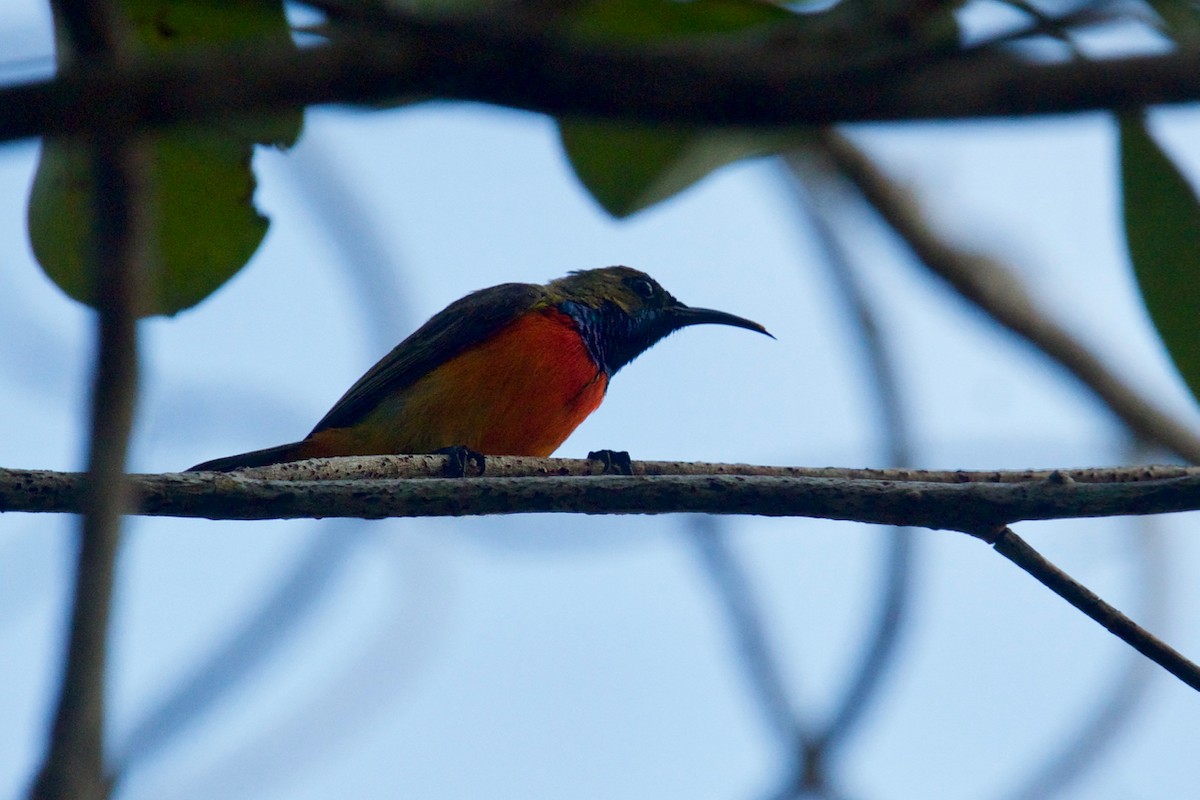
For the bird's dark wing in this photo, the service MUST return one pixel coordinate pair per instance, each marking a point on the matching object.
(461, 325)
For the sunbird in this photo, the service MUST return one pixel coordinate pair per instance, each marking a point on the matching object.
(509, 370)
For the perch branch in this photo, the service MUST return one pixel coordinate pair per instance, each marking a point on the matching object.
(981, 504)
(960, 501)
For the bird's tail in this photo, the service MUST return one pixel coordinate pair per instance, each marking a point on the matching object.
(295, 451)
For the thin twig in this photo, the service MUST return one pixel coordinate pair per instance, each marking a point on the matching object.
(375, 270)
(893, 598)
(253, 643)
(1017, 550)
(998, 291)
(1108, 719)
(375, 274)
(814, 772)
(732, 588)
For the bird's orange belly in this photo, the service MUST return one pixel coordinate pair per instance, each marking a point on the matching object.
(521, 392)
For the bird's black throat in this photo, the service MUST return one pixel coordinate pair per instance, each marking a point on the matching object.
(614, 337)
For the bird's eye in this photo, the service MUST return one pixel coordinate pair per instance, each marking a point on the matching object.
(642, 287)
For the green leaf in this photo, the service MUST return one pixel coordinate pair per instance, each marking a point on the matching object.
(630, 167)
(1162, 232)
(167, 25)
(1178, 20)
(644, 20)
(201, 184)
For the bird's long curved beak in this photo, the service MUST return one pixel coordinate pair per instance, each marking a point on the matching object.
(683, 316)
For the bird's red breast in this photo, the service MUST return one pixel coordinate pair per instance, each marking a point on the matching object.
(521, 391)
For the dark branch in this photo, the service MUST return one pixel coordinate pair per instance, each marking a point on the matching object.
(73, 768)
(877, 657)
(733, 590)
(1017, 550)
(90, 27)
(775, 84)
(1105, 723)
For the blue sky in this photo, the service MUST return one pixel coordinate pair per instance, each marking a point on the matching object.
(552, 656)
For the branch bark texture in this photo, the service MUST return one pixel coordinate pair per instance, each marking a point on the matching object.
(968, 502)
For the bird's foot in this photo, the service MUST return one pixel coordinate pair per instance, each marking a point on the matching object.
(458, 457)
(614, 462)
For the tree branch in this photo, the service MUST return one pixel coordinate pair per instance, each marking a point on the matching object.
(777, 83)
(434, 466)
(894, 597)
(1017, 550)
(1106, 722)
(969, 502)
(975, 505)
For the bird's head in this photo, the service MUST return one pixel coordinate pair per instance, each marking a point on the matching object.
(622, 312)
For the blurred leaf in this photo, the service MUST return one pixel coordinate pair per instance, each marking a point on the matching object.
(1162, 232)
(201, 186)
(1180, 21)
(164, 25)
(629, 167)
(643, 20)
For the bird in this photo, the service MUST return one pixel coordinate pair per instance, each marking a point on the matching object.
(508, 370)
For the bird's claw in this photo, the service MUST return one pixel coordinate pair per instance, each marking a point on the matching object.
(458, 457)
(614, 462)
